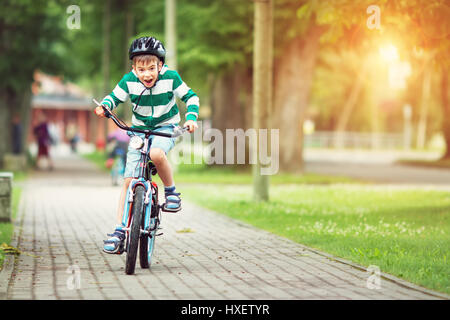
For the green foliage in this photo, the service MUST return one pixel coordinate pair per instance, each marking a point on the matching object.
(217, 42)
(211, 37)
(214, 37)
(28, 31)
(81, 48)
(6, 229)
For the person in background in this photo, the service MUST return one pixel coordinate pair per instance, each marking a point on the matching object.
(72, 136)
(16, 135)
(43, 139)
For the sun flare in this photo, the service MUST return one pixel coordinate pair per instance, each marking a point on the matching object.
(389, 53)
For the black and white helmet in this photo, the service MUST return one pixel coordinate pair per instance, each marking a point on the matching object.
(147, 45)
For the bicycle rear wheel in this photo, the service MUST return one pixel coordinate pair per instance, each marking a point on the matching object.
(134, 234)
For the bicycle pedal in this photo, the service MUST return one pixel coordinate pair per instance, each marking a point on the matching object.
(121, 249)
(159, 234)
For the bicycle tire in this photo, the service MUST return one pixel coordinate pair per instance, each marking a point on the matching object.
(134, 235)
(147, 244)
(147, 248)
(143, 247)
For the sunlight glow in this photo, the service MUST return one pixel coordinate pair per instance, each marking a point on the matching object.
(389, 53)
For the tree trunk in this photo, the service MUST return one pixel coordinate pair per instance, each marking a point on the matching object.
(106, 58)
(5, 121)
(424, 106)
(293, 78)
(445, 111)
(106, 61)
(229, 103)
(25, 113)
(128, 32)
(13, 104)
(262, 89)
(170, 29)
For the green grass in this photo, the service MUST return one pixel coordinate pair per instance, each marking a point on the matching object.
(404, 232)
(6, 229)
(98, 158)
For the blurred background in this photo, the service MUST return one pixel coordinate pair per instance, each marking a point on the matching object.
(347, 75)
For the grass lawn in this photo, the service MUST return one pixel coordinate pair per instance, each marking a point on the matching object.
(6, 229)
(404, 232)
(98, 158)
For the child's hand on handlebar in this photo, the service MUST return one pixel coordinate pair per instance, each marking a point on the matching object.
(99, 111)
(191, 125)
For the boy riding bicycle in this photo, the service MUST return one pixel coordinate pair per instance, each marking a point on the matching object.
(152, 88)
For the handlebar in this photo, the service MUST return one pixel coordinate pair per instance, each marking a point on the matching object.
(178, 131)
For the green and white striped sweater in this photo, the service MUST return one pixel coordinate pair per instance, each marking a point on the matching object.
(157, 105)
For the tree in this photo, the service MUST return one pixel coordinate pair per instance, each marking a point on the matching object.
(445, 88)
(215, 54)
(304, 29)
(28, 31)
(432, 26)
(262, 91)
(297, 40)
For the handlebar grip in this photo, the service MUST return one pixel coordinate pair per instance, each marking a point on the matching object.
(178, 131)
(106, 111)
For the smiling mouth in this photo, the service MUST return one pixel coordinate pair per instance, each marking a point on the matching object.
(148, 82)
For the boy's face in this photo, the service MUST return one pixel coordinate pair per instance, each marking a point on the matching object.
(147, 72)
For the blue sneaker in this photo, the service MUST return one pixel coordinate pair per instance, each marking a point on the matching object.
(114, 244)
(173, 200)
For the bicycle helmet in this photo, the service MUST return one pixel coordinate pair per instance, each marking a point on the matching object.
(147, 45)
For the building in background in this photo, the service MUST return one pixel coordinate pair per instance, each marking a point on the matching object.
(68, 108)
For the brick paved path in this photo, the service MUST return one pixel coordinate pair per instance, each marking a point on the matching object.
(65, 215)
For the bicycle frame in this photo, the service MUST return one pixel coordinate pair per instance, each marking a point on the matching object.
(146, 182)
(142, 179)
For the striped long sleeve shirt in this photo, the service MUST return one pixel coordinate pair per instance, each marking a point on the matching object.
(154, 107)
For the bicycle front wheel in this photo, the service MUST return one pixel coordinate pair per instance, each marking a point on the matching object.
(147, 245)
(135, 232)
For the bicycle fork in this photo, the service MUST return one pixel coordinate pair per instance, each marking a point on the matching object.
(126, 217)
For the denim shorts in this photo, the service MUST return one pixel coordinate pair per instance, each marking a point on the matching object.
(133, 155)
